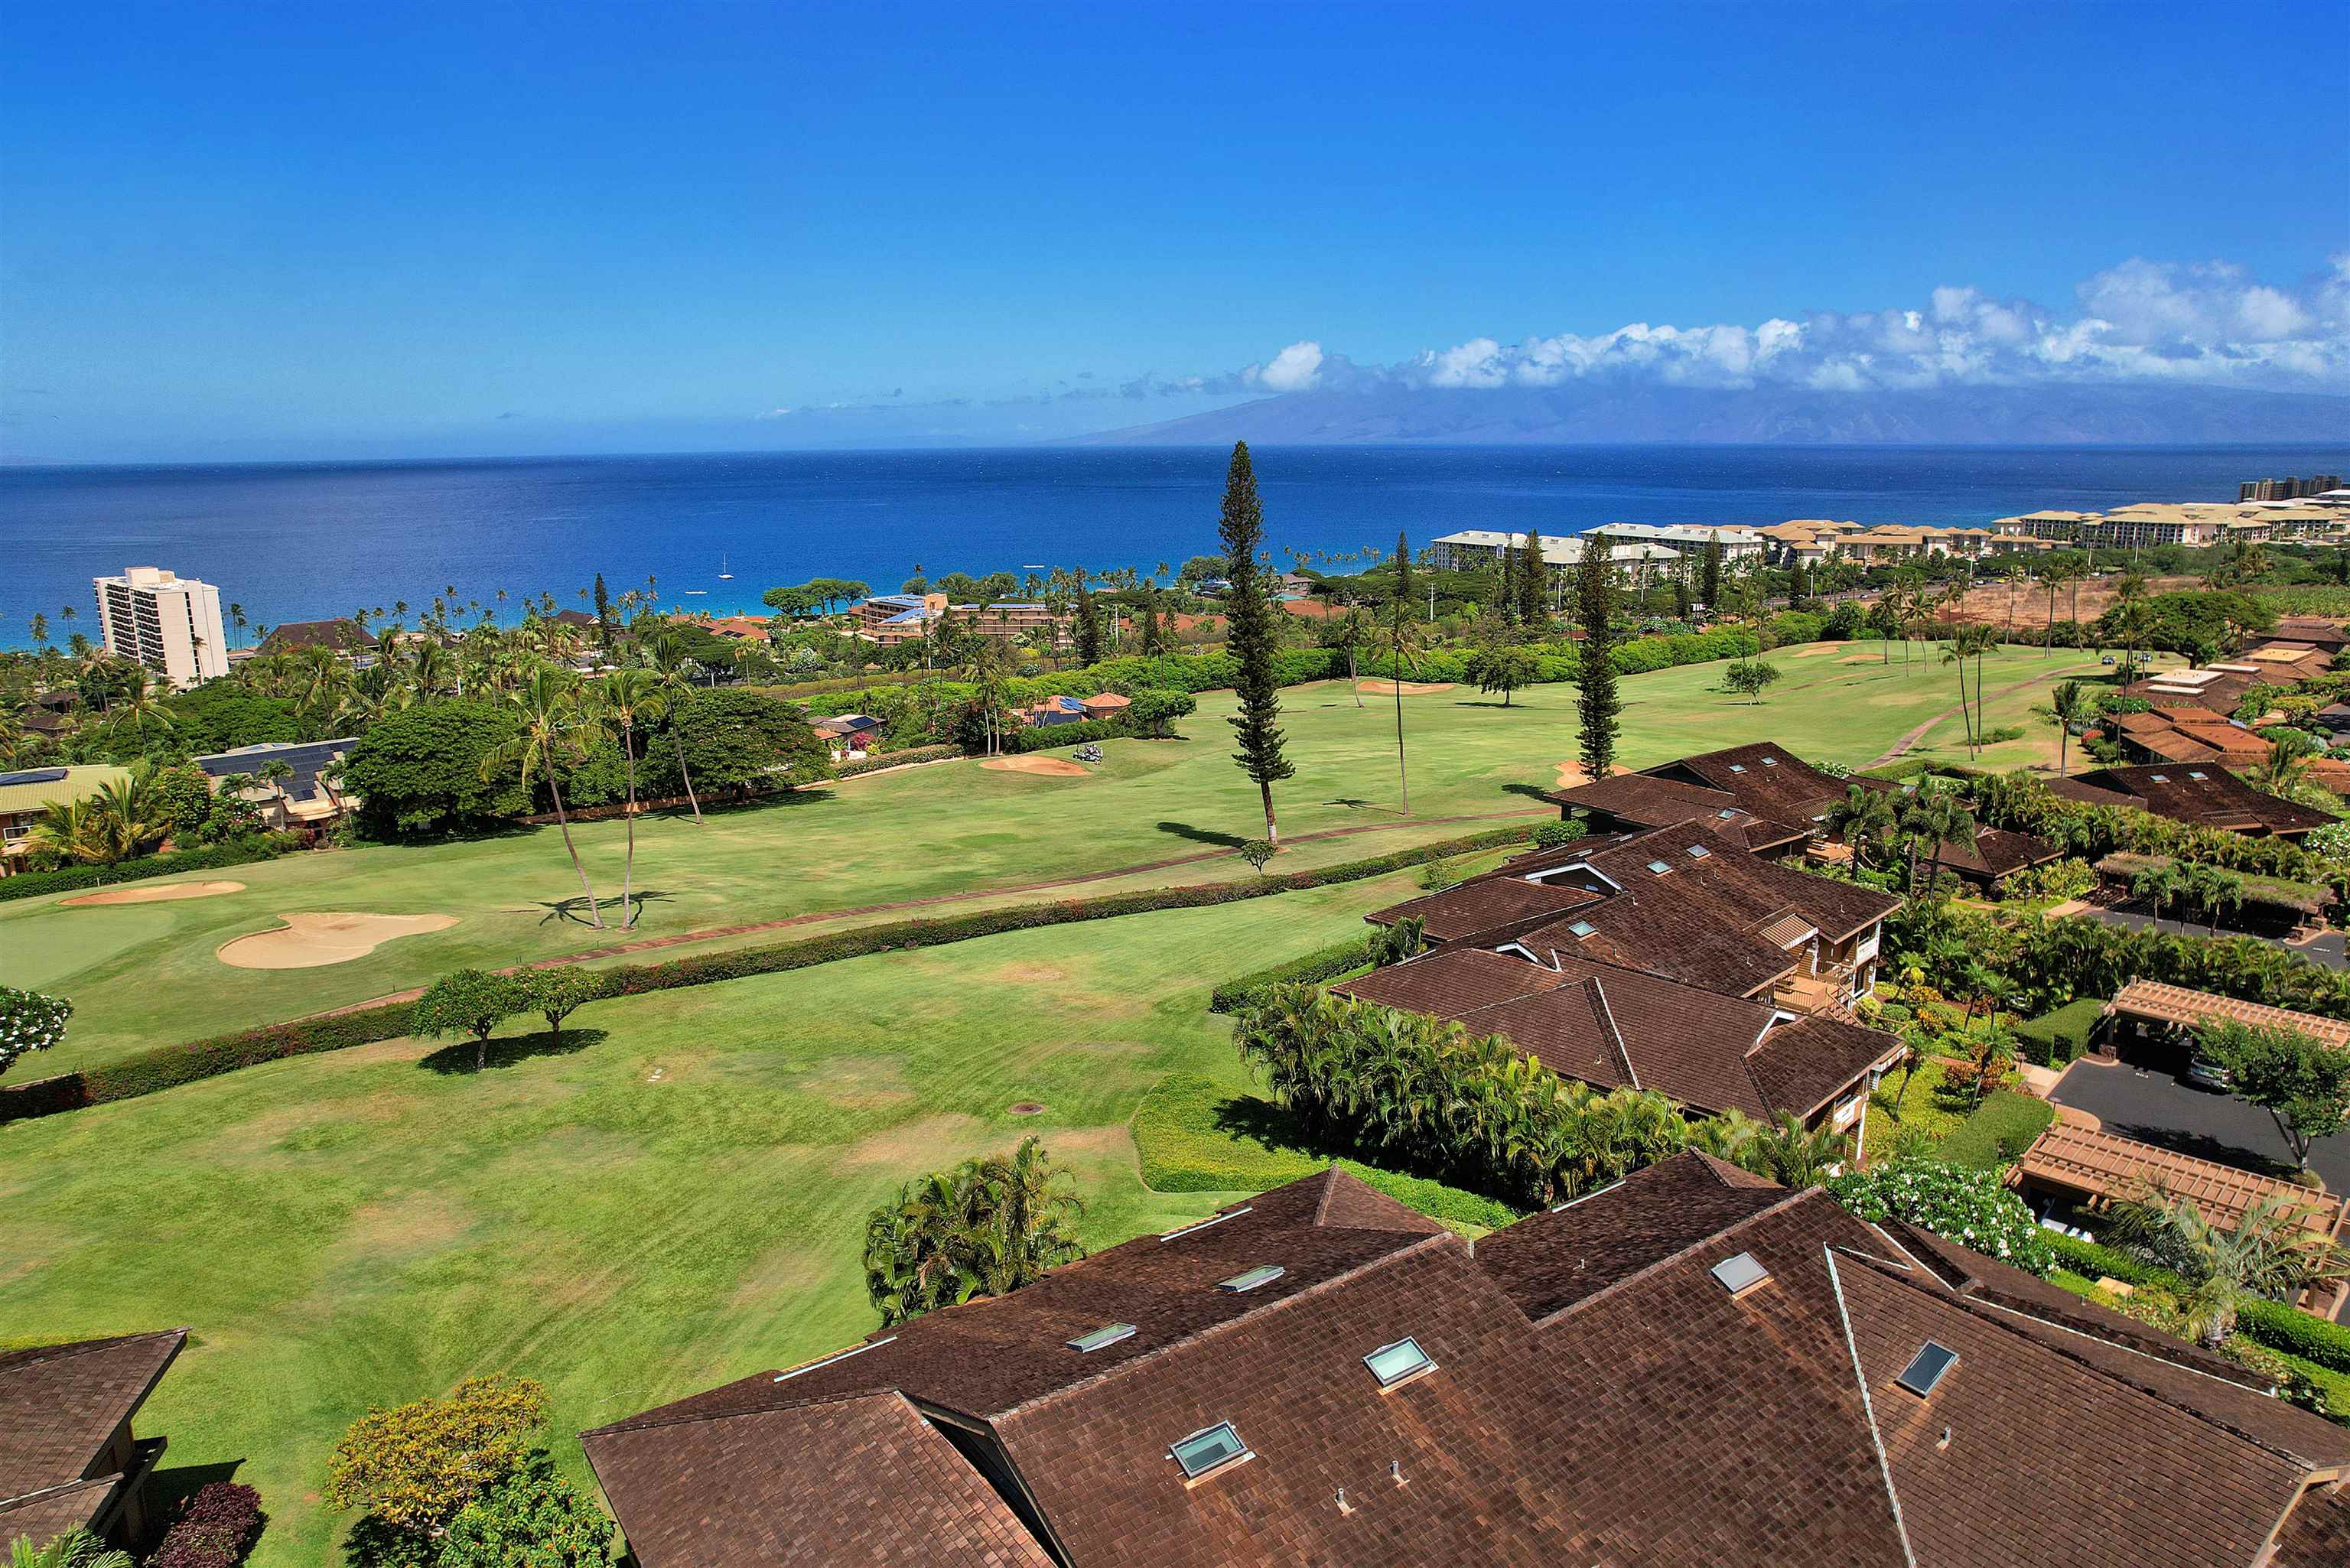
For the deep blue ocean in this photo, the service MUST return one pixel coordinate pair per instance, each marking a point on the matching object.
(299, 541)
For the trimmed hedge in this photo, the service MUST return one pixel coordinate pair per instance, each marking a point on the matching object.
(244, 851)
(2272, 1324)
(2059, 1038)
(876, 762)
(1239, 994)
(170, 1065)
(1907, 768)
(1998, 1130)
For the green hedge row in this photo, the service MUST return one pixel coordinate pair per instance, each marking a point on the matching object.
(1239, 994)
(877, 760)
(2272, 1324)
(1999, 1130)
(170, 1065)
(2059, 1038)
(243, 851)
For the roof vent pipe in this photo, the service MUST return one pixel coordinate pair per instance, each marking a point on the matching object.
(1344, 1506)
(1395, 1472)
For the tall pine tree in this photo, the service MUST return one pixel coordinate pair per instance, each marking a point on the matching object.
(1249, 637)
(1533, 578)
(1088, 629)
(1403, 566)
(1709, 586)
(1597, 703)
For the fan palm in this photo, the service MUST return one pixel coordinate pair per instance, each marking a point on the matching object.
(1864, 816)
(74, 1549)
(554, 730)
(1793, 1155)
(2272, 1253)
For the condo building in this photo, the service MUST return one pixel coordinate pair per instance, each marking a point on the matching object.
(170, 624)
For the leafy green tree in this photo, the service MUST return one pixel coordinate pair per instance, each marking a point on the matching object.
(1257, 852)
(2272, 1253)
(419, 771)
(468, 1001)
(984, 1229)
(1709, 588)
(416, 1467)
(607, 628)
(1250, 639)
(2302, 1083)
(553, 728)
(745, 742)
(29, 1022)
(532, 1518)
(1154, 708)
(1403, 566)
(555, 994)
(1750, 676)
(1506, 669)
(1597, 704)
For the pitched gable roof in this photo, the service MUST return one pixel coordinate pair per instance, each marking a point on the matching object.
(1764, 778)
(60, 1406)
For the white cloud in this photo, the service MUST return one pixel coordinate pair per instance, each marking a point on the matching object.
(2142, 320)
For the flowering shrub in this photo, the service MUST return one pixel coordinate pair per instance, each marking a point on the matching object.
(213, 1529)
(1969, 1207)
(29, 1022)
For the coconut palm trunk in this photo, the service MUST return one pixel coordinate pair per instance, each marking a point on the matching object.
(562, 821)
(628, 864)
(1403, 773)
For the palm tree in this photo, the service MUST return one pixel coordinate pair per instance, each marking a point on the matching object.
(2159, 882)
(274, 773)
(2068, 705)
(2283, 772)
(2272, 1253)
(554, 730)
(1793, 1155)
(1401, 640)
(622, 698)
(675, 669)
(1863, 818)
(74, 1549)
(1941, 816)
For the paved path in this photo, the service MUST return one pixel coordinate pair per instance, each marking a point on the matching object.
(1902, 747)
(712, 933)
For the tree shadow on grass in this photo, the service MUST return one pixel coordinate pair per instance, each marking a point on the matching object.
(1202, 834)
(172, 1485)
(458, 1057)
(1531, 792)
(575, 909)
(1261, 1122)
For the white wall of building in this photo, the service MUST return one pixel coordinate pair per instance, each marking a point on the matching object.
(168, 624)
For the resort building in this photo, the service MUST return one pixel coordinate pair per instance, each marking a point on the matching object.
(2208, 795)
(2145, 524)
(169, 624)
(305, 795)
(1689, 1368)
(1483, 549)
(68, 1459)
(889, 619)
(2288, 489)
(1034, 623)
(1686, 538)
(28, 793)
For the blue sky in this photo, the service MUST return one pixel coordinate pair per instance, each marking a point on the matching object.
(256, 231)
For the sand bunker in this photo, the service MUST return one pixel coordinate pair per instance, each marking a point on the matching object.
(1059, 767)
(149, 894)
(310, 941)
(1571, 774)
(1410, 688)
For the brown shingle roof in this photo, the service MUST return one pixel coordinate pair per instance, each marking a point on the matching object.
(2109, 1167)
(344, 635)
(1645, 800)
(1764, 778)
(61, 1404)
(2217, 799)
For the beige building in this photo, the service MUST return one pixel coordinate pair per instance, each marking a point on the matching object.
(2194, 525)
(170, 624)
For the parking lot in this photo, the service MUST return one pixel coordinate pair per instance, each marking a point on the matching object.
(2155, 1107)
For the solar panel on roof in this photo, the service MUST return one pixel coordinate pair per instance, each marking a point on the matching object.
(1926, 1368)
(33, 777)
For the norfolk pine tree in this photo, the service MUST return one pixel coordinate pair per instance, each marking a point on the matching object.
(1250, 637)
(1532, 579)
(1597, 703)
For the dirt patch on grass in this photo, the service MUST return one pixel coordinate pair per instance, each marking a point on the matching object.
(1410, 688)
(170, 892)
(1862, 658)
(418, 1222)
(1811, 648)
(925, 1143)
(1031, 974)
(1571, 774)
(1054, 767)
(312, 941)
(779, 1278)
(858, 1083)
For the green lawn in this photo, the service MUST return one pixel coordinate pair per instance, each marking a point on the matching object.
(674, 1201)
(146, 974)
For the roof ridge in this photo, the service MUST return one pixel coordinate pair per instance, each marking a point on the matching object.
(1981, 1308)
(1867, 1405)
(1779, 1207)
(643, 1424)
(36, 1355)
(1608, 1019)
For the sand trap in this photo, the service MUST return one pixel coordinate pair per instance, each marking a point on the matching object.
(1813, 648)
(164, 894)
(1058, 767)
(1410, 688)
(1571, 774)
(310, 942)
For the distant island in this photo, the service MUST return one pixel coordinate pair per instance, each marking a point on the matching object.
(2088, 414)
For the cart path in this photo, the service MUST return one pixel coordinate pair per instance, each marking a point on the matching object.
(713, 933)
(1902, 747)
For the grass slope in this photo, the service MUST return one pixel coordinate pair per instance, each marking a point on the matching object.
(146, 974)
(672, 1199)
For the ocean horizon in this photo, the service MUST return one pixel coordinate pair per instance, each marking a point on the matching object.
(298, 540)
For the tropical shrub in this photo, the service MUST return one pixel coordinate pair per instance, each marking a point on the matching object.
(875, 762)
(1558, 835)
(532, 1519)
(2062, 1036)
(555, 994)
(214, 1528)
(29, 1022)
(1998, 1131)
(414, 1467)
(2058, 880)
(736, 742)
(2272, 1324)
(984, 1229)
(468, 1001)
(1243, 992)
(419, 771)
(1969, 1206)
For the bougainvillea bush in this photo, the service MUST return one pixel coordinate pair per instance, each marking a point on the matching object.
(1969, 1207)
(213, 1529)
(29, 1022)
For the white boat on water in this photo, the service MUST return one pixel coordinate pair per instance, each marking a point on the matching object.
(723, 574)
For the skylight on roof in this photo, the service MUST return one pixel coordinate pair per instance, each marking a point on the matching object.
(1659, 867)
(1699, 852)
(1391, 1364)
(1107, 1335)
(2159, 778)
(1726, 813)
(1263, 1274)
(1740, 1273)
(1770, 761)
(1738, 767)
(1580, 928)
(2193, 774)
(1926, 1368)
(1210, 1447)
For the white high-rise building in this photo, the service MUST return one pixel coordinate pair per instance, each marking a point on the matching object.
(171, 625)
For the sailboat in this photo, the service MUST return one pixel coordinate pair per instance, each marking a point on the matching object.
(723, 574)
